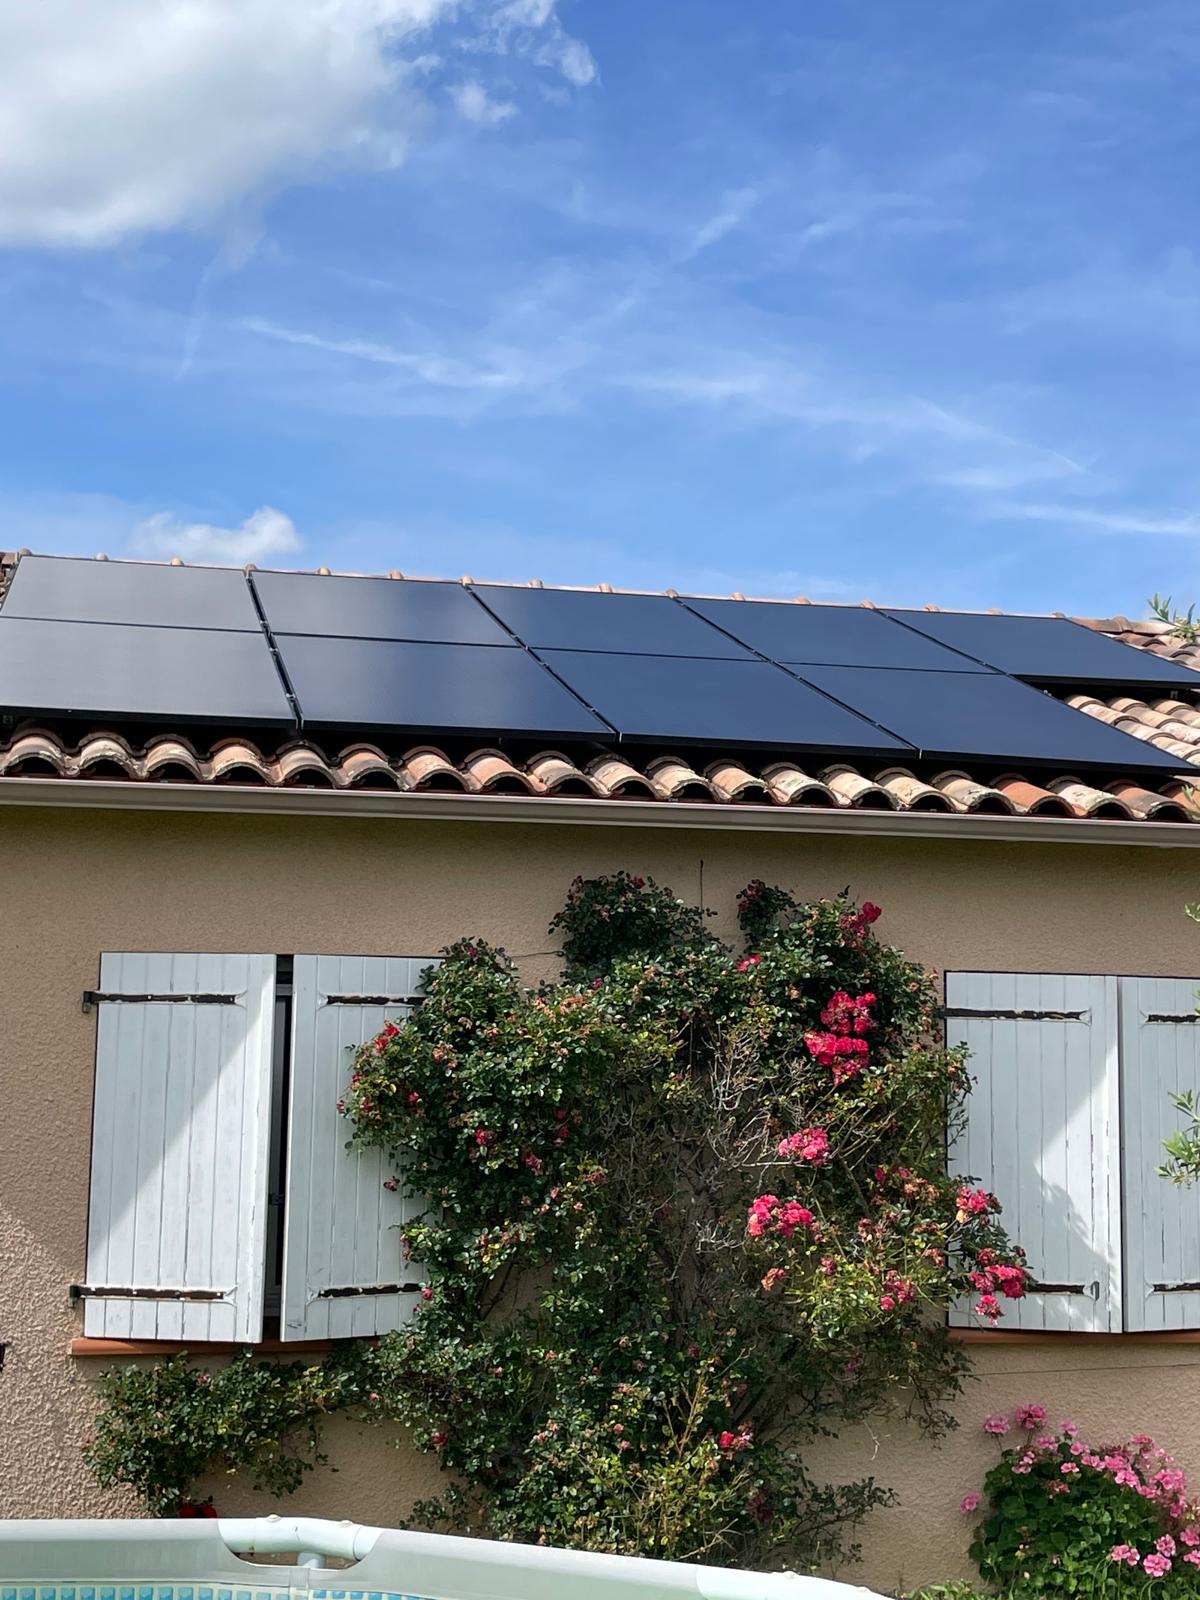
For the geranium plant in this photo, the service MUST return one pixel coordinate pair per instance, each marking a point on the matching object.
(1065, 1517)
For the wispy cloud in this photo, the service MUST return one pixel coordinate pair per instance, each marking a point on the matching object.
(265, 532)
(474, 104)
(1099, 521)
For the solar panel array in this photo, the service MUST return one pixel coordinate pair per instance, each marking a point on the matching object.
(143, 642)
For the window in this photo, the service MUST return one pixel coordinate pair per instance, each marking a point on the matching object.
(221, 1188)
(1072, 1101)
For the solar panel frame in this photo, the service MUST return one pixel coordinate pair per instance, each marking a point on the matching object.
(420, 686)
(130, 593)
(851, 636)
(915, 704)
(140, 673)
(417, 610)
(610, 624)
(1051, 650)
(743, 704)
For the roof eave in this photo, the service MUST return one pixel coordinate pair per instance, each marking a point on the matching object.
(364, 804)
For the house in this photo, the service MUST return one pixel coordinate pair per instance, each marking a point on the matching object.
(241, 811)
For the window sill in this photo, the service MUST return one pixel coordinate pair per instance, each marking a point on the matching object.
(1040, 1336)
(170, 1347)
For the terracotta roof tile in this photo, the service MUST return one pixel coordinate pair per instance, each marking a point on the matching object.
(491, 772)
(673, 779)
(663, 778)
(911, 793)
(558, 774)
(853, 789)
(789, 785)
(731, 781)
(1033, 801)
(1091, 802)
(617, 778)
(970, 795)
(427, 768)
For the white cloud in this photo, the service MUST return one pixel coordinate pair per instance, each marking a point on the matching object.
(474, 104)
(1106, 521)
(265, 532)
(127, 116)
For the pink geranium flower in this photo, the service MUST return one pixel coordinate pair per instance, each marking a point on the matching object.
(996, 1425)
(1030, 1417)
(971, 1502)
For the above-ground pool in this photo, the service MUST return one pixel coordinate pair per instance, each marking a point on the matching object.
(196, 1560)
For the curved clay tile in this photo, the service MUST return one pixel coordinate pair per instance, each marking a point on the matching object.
(302, 766)
(1183, 794)
(555, 773)
(364, 766)
(1178, 711)
(1094, 708)
(1143, 803)
(235, 762)
(105, 755)
(1091, 802)
(1032, 801)
(852, 789)
(970, 795)
(492, 772)
(34, 754)
(673, 779)
(171, 760)
(910, 793)
(732, 782)
(790, 785)
(427, 768)
(618, 779)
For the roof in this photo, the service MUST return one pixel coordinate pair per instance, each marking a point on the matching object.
(673, 777)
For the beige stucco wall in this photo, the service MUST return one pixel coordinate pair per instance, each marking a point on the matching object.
(75, 883)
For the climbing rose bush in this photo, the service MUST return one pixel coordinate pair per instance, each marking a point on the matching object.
(1065, 1517)
(679, 1213)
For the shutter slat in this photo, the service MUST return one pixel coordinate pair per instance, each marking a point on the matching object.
(342, 1227)
(1042, 1134)
(1162, 1220)
(179, 1155)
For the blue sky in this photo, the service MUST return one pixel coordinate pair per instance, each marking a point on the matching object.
(843, 298)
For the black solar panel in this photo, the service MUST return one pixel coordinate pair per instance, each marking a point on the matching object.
(569, 619)
(852, 636)
(67, 589)
(475, 689)
(717, 702)
(1047, 649)
(141, 672)
(374, 608)
(984, 715)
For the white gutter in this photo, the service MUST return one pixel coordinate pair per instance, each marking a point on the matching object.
(384, 805)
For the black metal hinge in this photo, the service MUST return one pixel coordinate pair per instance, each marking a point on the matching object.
(1017, 1016)
(371, 1000)
(93, 1291)
(349, 1290)
(97, 997)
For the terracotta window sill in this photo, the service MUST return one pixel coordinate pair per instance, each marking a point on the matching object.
(197, 1347)
(1037, 1336)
